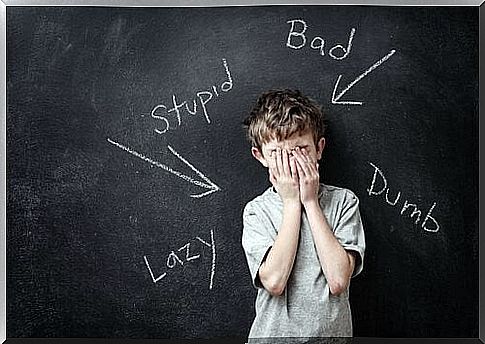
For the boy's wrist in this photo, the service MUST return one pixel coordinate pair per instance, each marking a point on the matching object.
(311, 203)
(292, 204)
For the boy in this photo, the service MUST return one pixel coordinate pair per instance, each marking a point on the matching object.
(303, 240)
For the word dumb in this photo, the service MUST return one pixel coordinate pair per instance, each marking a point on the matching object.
(171, 118)
(184, 255)
(429, 223)
(297, 40)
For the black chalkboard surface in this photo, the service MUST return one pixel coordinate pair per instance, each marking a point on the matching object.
(128, 169)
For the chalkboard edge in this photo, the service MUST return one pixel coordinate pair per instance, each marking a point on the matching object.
(3, 5)
(481, 272)
(225, 3)
(3, 176)
(230, 340)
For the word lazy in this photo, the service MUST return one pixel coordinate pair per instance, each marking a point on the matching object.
(429, 223)
(184, 255)
(297, 40)
(171, 117)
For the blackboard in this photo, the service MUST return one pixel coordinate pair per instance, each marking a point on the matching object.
(128, 169)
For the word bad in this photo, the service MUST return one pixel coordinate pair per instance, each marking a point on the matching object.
(297, 40)
(184, 255)
(429, 223)
(168, 118)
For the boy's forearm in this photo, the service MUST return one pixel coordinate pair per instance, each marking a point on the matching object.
(276, 269)
(334, 259)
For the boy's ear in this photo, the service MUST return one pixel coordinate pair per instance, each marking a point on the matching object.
(320, 148)
(259, 156)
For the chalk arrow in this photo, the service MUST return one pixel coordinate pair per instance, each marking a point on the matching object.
(336, 99)
(207, 185)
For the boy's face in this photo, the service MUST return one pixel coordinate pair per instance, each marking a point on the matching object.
(303, 140)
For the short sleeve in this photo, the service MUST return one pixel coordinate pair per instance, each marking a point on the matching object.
(256, 241)
(349, 230)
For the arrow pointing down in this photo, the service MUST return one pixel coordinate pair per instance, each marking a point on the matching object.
(336, 99)
(207, 185)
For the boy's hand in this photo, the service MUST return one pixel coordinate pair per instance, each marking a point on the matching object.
(308, 175)
(284, 177)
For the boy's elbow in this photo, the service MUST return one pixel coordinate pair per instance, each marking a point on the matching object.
(337, 287)
(339, 283)
(274, 287)
(275, 290)
(336, 290)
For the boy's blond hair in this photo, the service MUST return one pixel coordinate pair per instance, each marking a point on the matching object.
(278, 114)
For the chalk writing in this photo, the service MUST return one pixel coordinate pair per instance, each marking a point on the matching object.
(336, 98)
(297, 40)
(170, 117)
(429, 223)
(184, 255)
(207, 185)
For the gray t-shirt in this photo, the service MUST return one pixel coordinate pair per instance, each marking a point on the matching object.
(306, 308)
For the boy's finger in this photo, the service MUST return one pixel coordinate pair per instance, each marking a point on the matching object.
(301, 172)
(310, 163)
(273, 173)
(279, 162)
(307, 156)
(286, 164)
(271, 160)
(313, 166)
(294, 168)
(302, 162)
